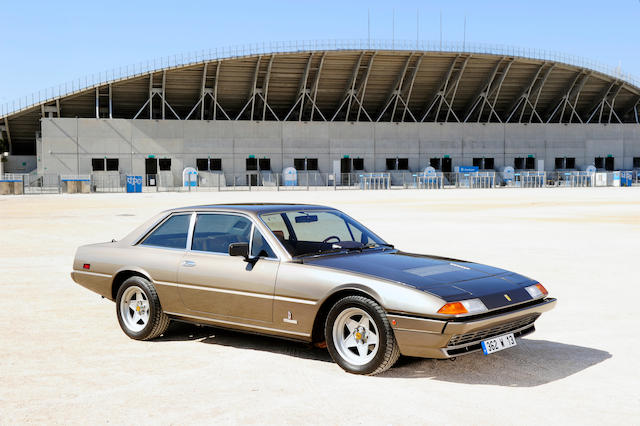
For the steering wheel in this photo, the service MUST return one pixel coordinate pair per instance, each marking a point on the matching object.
(326, 240)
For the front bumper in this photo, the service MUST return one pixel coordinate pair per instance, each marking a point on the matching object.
(434, 338)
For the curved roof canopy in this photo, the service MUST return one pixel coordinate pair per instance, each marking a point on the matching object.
(349, 85)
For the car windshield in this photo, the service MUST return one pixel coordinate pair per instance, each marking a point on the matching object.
(320, 231)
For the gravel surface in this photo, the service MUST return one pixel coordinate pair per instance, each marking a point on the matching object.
(65, 360)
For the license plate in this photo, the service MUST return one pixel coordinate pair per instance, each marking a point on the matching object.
(499, 343)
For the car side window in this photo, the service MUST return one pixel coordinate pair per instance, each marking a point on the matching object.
(171, 234)
(214, 232)
(259, 246)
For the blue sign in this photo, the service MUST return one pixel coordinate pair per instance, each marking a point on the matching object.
(134, 183)
(467, 169)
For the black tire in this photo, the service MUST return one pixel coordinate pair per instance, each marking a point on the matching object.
(388, 350)
(158, 321)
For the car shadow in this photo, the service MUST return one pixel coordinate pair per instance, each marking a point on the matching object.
(531, 363)
(179, 331)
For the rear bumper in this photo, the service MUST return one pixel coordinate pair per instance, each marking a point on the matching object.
(430, 338)
(96, 282)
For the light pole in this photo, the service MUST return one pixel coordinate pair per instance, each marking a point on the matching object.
(77, 150)
(2, 160)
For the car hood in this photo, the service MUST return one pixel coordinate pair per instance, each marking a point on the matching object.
(449, 279)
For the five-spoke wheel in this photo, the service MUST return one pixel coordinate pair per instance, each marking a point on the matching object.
(355, 336)
(139, 311)
(359, 336)
(134, 308)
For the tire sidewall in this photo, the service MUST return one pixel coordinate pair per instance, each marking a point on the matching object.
(144, 285)
(383, 337)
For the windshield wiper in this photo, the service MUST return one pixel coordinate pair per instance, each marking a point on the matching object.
(352, 246)
(319, 252)
(377, 245)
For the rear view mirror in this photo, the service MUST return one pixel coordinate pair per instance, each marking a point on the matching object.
(239, 249)
(306, 219)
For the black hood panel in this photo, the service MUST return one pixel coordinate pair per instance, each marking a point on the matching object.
(449, 279)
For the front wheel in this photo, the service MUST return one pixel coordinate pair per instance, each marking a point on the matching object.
(359, 336)
(138, 308)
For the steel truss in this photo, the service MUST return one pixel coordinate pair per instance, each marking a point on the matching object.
(530, 93)
(607, 98)
(306, 93)
(356, 95)
(399, 87)
(208, 93)
(443, 104)
(446, 92)
(490, 89)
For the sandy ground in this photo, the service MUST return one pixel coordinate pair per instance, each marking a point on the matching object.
(64, 359)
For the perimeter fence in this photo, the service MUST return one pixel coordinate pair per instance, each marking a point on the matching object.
(11, 183)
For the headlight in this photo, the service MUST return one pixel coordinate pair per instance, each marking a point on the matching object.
(470, 306)
(536, 291)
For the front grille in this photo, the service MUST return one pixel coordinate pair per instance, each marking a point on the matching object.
(462, 339)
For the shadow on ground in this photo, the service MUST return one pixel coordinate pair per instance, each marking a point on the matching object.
(216, 336)
(531, 363)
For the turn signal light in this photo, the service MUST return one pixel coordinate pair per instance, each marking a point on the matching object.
(536, 291)
(453, 308)
(469, 306)
(542, 289)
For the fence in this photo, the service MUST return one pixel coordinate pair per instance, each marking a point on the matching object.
(475, 180)
(430, 181)
(375, 181)
(575, 179)
(260, 181)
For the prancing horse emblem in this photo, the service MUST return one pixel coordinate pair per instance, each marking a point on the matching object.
(506, 296)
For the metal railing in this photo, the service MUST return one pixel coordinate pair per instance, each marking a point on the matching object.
(375, 180)
(475, 180)
(572, 178)
(429, 181)
(189, 58)
(12, 183)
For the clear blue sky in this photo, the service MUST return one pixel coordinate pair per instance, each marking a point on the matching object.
(43, 44)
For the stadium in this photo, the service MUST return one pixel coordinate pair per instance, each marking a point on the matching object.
(245, 114)
(242, 118)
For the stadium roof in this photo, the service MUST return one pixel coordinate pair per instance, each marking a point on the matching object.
(347, 85)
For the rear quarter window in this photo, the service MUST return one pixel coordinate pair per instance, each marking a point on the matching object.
(171, 234)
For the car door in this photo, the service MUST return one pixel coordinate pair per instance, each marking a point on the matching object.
(212, 282)
(160, 253)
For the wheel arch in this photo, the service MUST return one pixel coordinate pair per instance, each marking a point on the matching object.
(122, 275)
(317, 333)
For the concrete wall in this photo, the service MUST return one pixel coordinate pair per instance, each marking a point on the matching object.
(20, 164)
(183, 141)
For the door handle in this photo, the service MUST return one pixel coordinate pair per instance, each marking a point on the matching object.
(188, 263)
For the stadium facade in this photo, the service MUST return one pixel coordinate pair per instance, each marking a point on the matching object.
(332, 111)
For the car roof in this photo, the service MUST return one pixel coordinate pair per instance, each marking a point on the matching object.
(255, 208)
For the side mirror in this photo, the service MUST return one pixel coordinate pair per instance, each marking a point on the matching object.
(239, 249)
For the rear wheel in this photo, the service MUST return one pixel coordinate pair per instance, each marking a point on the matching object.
(359, 336)
(138, 308)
